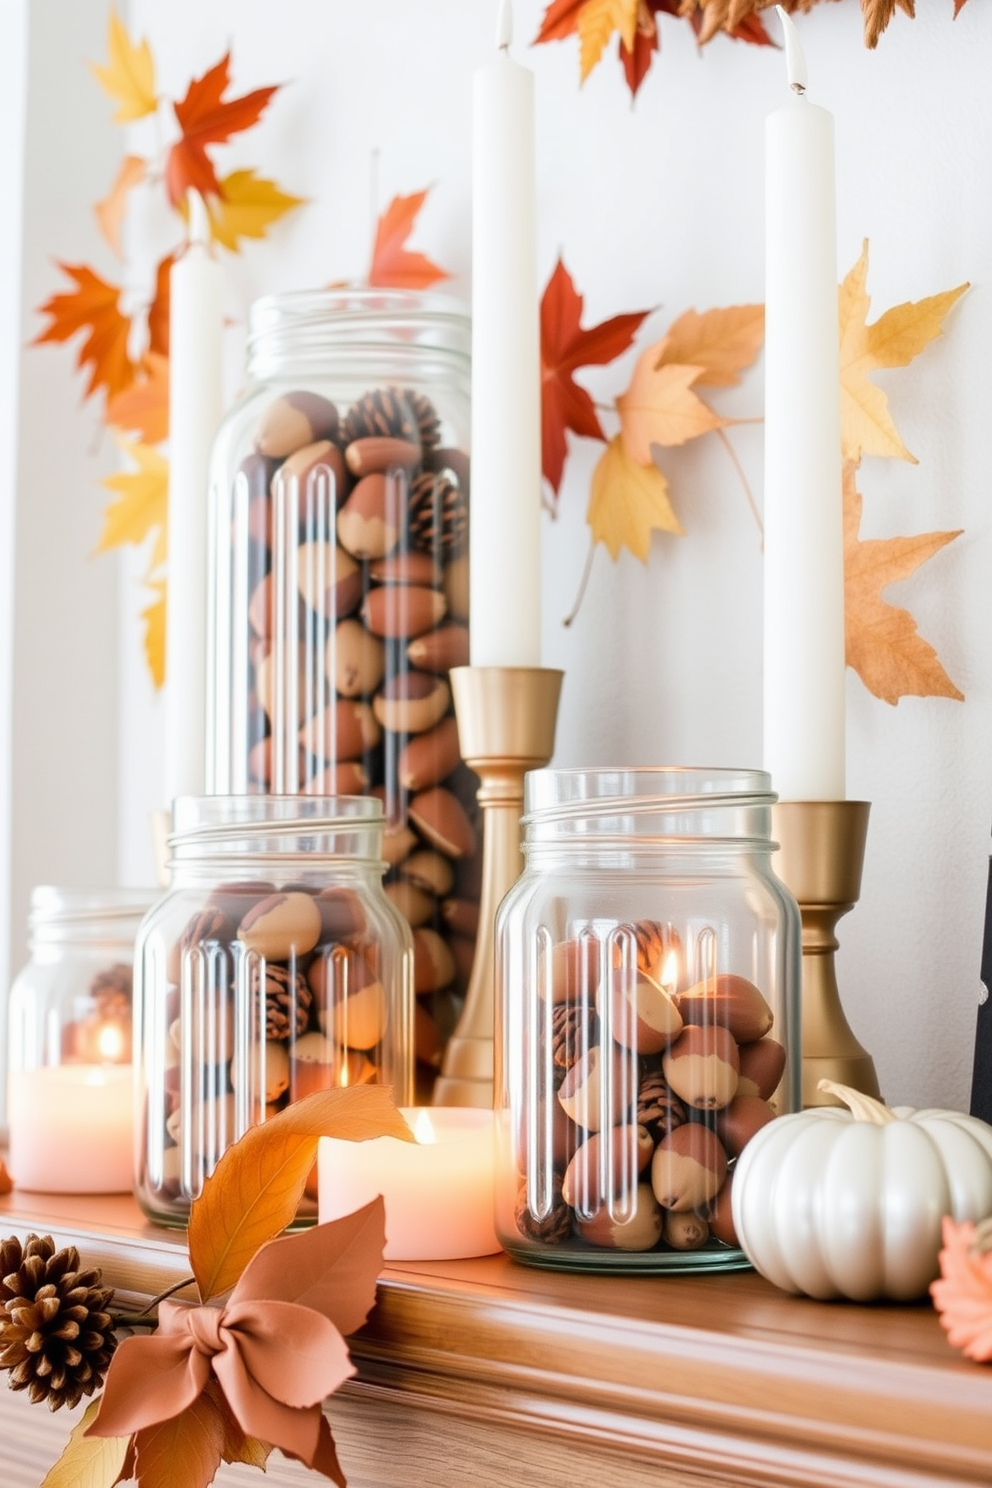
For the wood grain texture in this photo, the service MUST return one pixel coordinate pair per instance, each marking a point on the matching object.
(486, 1371)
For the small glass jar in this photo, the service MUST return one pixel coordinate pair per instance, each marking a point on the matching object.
(273, 967)
(647, 975)
(339, 594)
(69, 1054)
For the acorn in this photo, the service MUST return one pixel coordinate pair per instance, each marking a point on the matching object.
(762, 1066)
(595, 1092)
(702, 1066)
(730, 1001)
(571, 972)
(636, 1226)
(684, 1230)
(688, 1167)
(605, 1166)
(641, 1015)
(720, 1215)
(737, 1123)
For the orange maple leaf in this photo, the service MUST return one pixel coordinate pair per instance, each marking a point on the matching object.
(566, 346)
(963, 1295)
(205, 118)
(881, 641)
(158, 310)
(94, 308)
(143, 408)
(393, 265)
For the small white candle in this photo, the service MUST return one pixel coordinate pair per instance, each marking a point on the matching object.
(195, 407)
(72, 1128)
(505, 607)
(804, 548)
(438, 1194)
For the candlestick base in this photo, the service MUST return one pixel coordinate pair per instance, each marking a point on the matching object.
(506, 726)
(820, 858)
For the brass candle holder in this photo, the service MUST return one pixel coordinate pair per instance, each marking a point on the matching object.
(820, 858)
(506, 726)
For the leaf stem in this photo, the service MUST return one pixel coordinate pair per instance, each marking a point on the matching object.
(583, 584)
(743, 479)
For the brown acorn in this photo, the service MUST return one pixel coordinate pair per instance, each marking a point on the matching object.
(702, 1066)
(688, 1168)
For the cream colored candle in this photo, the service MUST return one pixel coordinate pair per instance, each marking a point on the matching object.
(505, 533)
(195, 406)
(804, 552)
(438, 1194)
(72, 1128)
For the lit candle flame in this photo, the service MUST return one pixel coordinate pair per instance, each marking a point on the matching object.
(670, 972)
(110, 1042)
(423, 1129)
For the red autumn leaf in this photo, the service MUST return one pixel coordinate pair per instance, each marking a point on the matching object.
(559, 20)
(158, 311)
(565, 347)
(94, 308)
(393, 265)
(206, 118)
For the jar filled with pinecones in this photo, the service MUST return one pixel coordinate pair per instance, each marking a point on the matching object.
(339, 596)
(647, 993)
(273, 967)
(69, 1088)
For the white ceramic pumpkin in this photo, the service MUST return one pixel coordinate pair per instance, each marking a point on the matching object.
(848, 1203)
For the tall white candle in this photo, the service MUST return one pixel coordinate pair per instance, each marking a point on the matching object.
(195, 406)
(505, 611)
(804, 551)
(72, 1128)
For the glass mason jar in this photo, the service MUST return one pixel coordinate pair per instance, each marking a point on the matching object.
(273, 966)
(647, 975)
(69, 1046)
(339, 595)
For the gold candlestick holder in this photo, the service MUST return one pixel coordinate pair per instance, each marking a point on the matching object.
(506, 726)
(820, 858)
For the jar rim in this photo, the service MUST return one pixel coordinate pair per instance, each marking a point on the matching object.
(355, 316)
(593, 792)
(275, 825)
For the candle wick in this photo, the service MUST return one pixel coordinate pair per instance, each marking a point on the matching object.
(798, 88)
(504, 26)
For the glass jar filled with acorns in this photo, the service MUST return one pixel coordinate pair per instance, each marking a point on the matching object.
(274, 966)
(339, 596)
(647, 986)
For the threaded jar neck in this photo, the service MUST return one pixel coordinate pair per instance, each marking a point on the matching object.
(97, 918)
(243, 834)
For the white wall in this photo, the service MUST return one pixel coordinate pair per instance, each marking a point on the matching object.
(659, 203)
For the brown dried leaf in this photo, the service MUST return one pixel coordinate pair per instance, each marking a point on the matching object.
(878, 13)
(881, 641)
(253, 1193)
(183, 1452)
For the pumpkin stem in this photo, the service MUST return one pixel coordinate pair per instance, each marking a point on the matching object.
(862, 1107)
(983, 1237)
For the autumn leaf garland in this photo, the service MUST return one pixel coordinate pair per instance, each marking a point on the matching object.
(661, 408)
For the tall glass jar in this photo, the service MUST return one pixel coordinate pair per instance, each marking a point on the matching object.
(339, 595)
(70, 1039)
(648, 965)
(273, 967)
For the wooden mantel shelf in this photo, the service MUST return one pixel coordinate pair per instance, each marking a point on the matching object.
(488, 1372)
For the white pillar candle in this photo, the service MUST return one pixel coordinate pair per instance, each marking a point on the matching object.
(505, 609)
(804, 550)
(72, 1128)
(439, 1194)
(195, 407)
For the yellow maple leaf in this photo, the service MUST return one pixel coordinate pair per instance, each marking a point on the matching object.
(627, 502)
(720, 342)
(142, 504)
(153, 616)
(881, 640)
(129, 76)
(143, 408)
(247, 207)
(597, 21)
(110, 211)
(660, 407)
(88, 1459)
(892, 341)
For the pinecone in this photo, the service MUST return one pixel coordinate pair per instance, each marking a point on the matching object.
(385, 411)
(556, 1224)
(288, 1000)
(56, 1334)
(573, 1029)
(428, 422)
(438, 515)
(111, 987)
(658, 1110)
